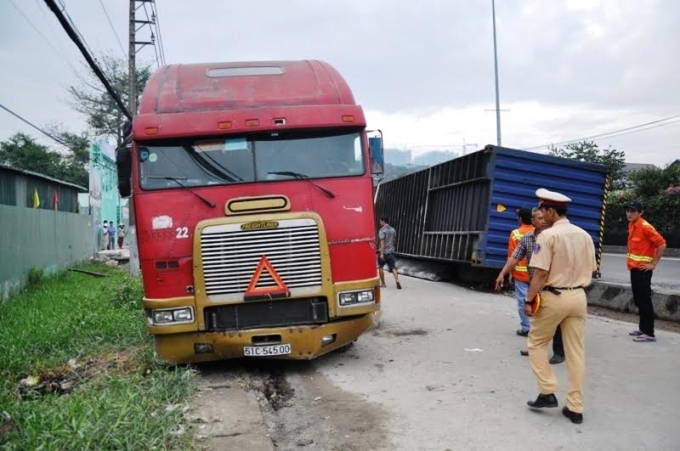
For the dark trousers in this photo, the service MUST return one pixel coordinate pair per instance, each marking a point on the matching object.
(641, 283)
(558, 346)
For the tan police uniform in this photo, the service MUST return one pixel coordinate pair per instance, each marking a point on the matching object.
(567, 252)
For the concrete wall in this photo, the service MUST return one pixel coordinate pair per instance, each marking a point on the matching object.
(42, 239)
(619, 297)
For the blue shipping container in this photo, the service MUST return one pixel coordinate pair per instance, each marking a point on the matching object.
(464, 209)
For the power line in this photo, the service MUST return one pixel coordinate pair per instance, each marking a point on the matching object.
(74, 37)
(63, 57)
(161, 46)
(614, 133)
(59, 140)
(75, 28)
(151, 20)
(113, 28)
(641, 129)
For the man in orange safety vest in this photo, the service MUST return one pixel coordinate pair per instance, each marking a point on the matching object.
(645, 248)
(520, 273)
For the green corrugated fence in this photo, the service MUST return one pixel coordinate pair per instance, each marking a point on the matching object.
(37, 238)
(20, 188)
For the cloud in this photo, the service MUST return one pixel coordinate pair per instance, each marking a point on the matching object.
(567, 68)
(525, 126)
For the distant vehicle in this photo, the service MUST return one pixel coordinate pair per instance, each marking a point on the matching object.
(253, 198)
(462, 210)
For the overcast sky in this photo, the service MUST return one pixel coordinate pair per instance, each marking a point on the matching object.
(422, 70)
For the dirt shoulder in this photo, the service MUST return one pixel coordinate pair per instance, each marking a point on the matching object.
(282, 405)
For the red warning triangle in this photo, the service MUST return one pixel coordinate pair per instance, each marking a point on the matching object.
(280, 290)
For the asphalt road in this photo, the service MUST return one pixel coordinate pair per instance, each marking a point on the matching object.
(444, 368)
(666, 275)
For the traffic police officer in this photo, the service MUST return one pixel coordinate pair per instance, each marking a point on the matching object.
(563, 262)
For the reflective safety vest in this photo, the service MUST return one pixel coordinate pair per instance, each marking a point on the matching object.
(521, 270)
(643, 240)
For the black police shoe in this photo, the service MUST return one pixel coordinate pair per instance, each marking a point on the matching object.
(543, 401)
(556, 359)
(576, 418)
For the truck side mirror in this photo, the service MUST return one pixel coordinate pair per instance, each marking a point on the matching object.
(124, 169)
(375, 147)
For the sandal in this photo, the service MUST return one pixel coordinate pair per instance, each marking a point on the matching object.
(642, 338)
(635, 333)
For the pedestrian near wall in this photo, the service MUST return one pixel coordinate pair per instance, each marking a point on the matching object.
(112, 236)
(121, 235)
(524, 251)
(520, 272)
(105, 235)
(645, 249)
(388, 242)
(563, 262)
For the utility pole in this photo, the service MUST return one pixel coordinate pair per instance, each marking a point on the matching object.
(495, 64)
(132, 68)
(132, 106)
(135, 26)
(465, 146)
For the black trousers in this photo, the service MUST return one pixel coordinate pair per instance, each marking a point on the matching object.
(641, 283)
(558, 346)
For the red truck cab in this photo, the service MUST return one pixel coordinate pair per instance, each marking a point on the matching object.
(253, 205)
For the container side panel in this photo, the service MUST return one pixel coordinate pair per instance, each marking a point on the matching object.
(516, 177)
(463, 210)
(441, 212)
(403, 202)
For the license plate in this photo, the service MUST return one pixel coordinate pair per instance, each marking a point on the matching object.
(263, 351)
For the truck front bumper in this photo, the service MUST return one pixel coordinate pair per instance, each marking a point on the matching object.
(307, 342)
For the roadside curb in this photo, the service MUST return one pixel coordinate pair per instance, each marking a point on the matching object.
(617, 296)
(610, 295)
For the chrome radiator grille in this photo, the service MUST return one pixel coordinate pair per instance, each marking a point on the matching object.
(230, 257)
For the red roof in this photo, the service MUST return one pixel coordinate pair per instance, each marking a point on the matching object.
(224, 86)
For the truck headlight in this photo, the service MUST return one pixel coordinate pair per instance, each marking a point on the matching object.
(183, 314)
(355, 297)
(163, 316)
(168, 317)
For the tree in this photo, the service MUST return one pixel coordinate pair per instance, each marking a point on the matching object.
(91, 99)
(659, 191)
(23, 152)
(74, 164)
(590, 152)
(650, 182)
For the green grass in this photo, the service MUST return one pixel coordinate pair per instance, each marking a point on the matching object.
(91, 330)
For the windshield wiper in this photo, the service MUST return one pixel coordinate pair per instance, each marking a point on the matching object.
(301, 176)
(177, 180)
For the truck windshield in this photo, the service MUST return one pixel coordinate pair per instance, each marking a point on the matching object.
(239, 159)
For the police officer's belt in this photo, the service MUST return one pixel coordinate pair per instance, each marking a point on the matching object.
(556, 290)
